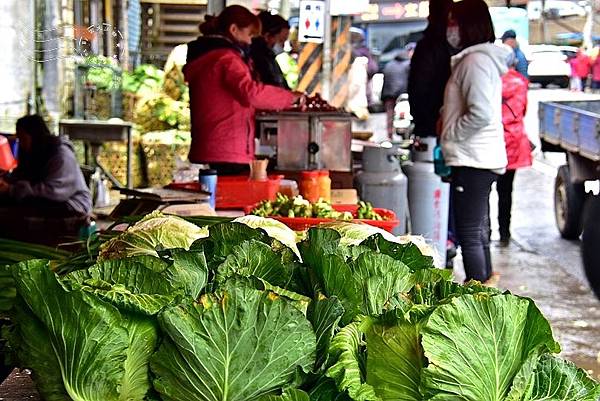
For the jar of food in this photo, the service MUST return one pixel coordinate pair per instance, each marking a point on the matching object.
(325, 185)
(309, 185)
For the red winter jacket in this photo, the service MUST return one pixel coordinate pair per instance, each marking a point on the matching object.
(514, 107)
(223, 99)
(580, 65)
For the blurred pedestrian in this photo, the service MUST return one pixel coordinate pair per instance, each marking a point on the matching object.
(266, 47)
(429, 71)
(472, 135)
(509, 38)
(518, 146)
(360, 49)
(395, 83)
(580, 70)
(596, 71)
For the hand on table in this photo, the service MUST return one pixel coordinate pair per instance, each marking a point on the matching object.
(299, 98)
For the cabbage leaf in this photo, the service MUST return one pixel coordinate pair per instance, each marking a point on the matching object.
(477, 344)
(77, 344)
(153, 233)
(238, 344)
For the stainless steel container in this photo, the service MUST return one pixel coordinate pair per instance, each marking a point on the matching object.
(382, 183)
(307, 140)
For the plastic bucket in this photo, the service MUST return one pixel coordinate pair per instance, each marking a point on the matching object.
(7, 160)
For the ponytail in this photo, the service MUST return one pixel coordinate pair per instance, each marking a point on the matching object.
(210, 26)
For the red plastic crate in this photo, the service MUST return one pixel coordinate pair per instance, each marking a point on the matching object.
(236, 192)
(304, 223)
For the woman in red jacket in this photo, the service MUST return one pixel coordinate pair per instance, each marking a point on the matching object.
(518, 147)
(223, 93)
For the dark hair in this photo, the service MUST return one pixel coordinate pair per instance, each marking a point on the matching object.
(232, 15)
(43, 146)
(438, 16)
(474, 22)
(34, 125)
(272, 24)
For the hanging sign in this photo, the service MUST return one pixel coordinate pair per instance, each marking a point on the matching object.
(311, 21)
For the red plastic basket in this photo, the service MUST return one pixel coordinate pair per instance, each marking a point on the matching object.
(303, 223)
(236, 192)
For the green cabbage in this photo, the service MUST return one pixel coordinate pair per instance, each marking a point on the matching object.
(238, 344)
(153, 233)
(274, 229)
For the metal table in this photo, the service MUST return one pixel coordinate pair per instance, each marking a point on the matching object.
(94, 133)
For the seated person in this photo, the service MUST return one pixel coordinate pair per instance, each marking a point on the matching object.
(46, 196)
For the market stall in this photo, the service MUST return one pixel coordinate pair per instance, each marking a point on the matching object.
(198, 309)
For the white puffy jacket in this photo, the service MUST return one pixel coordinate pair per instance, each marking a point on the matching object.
(472, 132)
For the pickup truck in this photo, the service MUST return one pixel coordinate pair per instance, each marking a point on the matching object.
(573, 127)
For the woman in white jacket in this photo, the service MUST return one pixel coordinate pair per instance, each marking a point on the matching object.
(472, 135)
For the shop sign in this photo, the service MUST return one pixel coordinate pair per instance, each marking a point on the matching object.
(311, 26)
(396, 11)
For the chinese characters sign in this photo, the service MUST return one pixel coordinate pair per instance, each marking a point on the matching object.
(396, 11)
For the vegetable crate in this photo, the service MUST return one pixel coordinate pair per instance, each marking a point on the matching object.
(390, 220)
(236, 192)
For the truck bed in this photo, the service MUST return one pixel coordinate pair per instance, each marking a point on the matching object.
(574, 126)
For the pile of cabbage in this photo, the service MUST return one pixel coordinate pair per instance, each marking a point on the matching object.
(240, 311)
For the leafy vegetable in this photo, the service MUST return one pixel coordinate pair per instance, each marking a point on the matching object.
(145, 284)
(235, 345)
(299, 207)
(289, 395)
(497, 335)
(274, 229)
(83, 340)
(348, 373)
(154, 233)
(556, 379)
(175, 312)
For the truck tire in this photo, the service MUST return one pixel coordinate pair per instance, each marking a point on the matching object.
(568, 204)
(591, 242)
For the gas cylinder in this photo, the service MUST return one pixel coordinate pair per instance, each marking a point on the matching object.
(428, 198)
(383, 183)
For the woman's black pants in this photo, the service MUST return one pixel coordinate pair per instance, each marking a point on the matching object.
(470, 201)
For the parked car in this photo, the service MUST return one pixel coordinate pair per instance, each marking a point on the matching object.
(548, 64)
